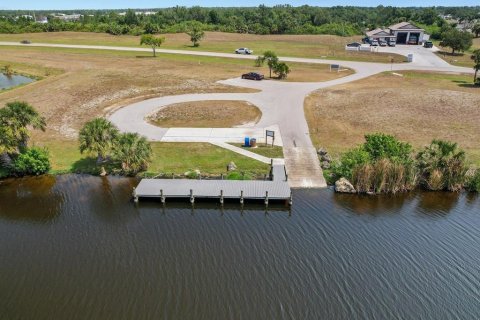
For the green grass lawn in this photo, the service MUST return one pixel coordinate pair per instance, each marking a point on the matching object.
(176, 158)
(266, 151)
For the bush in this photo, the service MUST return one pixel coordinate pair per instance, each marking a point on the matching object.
(473, 182)
(33, 161)
(380, 145)
(349, 161)
(442, 166)
(235, 175)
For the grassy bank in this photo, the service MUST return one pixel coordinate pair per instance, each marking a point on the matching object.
(307, 46)
(176, 158)
(416, 107)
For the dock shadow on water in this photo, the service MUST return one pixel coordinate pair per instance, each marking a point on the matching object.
(77, 247)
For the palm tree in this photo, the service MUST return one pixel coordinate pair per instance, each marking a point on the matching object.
(19, 116)
(98, 137)
(133, 151)
(270, 57)
(442, 166)
(194, 30)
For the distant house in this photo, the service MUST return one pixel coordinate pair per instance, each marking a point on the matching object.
(380, 34)
(401, 33)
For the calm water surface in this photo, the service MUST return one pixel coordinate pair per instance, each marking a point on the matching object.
(13, 81)
(75, 247)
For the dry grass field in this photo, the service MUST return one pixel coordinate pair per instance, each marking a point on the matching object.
(310, 46)
(207, 114)
(417, 108)
(78, 85)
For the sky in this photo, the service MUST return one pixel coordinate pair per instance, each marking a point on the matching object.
(121, 4)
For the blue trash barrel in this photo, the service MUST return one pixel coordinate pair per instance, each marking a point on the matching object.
(247, 142)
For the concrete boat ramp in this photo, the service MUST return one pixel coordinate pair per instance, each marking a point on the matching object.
(274, 189)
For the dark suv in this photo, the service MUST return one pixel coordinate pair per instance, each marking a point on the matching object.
(428, 44)
(252, 76)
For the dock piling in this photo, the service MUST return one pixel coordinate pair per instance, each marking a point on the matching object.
(192, 199)
(221, 196)
(162, 197)
(266, 198)
(241, 197)
(134, 195)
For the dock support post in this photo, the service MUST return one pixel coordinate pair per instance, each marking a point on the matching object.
(162, 197)
(290, 201)
(241, 197)
(266, 198)
(173, 175)
(221, 197)
(221, 176)
(192, 199)
(134, 194)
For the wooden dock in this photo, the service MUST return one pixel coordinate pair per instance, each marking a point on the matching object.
(274, 189)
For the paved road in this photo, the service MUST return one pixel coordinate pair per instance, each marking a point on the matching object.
(281, 103)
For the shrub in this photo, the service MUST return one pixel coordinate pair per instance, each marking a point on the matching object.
(442, 166)
(235, 175)
(281, 69)
(380, 145)
(349, 161)
(473, 182)
(33, 161)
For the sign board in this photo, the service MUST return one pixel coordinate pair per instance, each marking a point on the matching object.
(334, 67)
(269, 133)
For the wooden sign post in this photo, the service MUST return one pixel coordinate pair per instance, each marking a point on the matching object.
(269, 133)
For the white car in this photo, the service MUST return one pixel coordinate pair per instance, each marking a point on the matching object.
(243, 51)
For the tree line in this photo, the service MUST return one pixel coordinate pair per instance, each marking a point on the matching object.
(280, 19)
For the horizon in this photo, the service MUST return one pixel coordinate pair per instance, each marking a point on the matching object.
(150, 4)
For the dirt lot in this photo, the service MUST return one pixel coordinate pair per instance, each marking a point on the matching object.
(207, 114)
(417, 108)
(310, 46)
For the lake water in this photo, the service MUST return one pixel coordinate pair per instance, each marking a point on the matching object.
(7, 82)
(76, 247)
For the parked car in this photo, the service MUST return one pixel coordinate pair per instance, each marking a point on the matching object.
(413, 40)
(392, 43)
(243, 51)
(374, 43)
(365, 40)
(354, 45)
(25, 42)
(252, 76)
(382, 43)
(428, 44)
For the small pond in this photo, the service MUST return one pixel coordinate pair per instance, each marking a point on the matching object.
(7, 82)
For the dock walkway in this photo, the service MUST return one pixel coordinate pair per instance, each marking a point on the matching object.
(276, 188)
